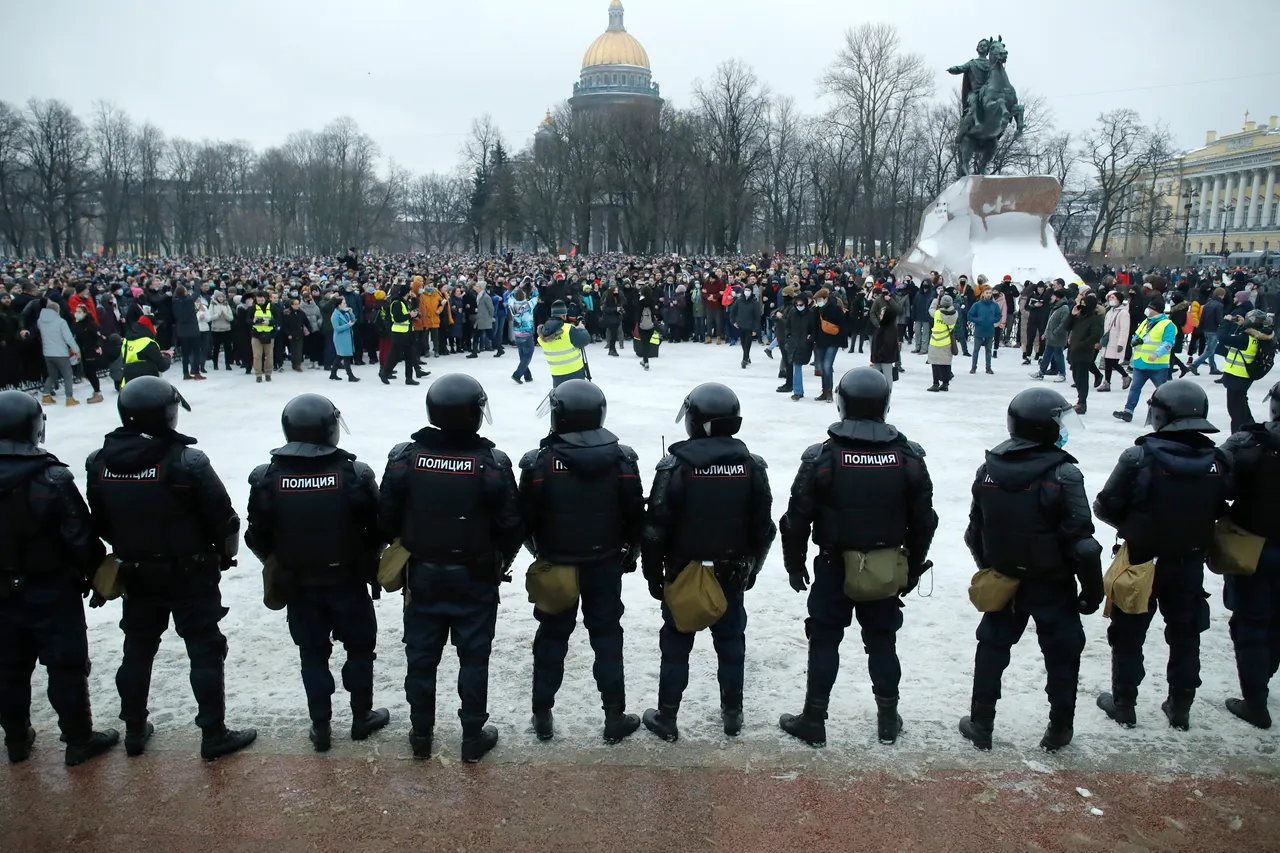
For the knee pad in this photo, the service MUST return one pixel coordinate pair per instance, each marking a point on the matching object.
(473, 659)
(361, 655)
(315, 656)
(209, 652)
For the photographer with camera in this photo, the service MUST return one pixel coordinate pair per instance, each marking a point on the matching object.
(1251, 350)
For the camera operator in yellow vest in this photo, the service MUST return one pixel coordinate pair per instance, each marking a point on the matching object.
(263, 339)
(563, 346)
(1254, 334)
(1152, 345)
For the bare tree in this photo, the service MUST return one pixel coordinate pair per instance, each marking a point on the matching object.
(781, 183)
(114, 164)
(15, 194)
(1121, 150)
(57, 151)
(734, 104)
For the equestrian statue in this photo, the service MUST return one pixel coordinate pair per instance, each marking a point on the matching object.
(989, 103)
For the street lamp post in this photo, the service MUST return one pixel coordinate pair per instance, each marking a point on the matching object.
(1190, 194)
(1227, 209)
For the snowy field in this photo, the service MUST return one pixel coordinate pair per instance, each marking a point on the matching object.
(238, 423)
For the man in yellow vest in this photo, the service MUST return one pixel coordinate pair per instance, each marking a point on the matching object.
(142, 355)
(262, 342)
(402, 318)
(1242, 348)
(1152, 346)
(563, 346)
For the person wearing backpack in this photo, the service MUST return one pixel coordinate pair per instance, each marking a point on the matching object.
(1251, 351)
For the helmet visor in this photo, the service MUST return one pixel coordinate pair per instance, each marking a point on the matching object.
(544, 408)
(684, 410)
(1068, 421)
(484, 410)
(342, 422)
(182, 401)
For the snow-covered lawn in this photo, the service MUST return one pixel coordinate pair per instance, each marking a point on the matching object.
(238, 422)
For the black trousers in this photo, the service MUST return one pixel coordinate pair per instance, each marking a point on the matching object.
(1179, 594)
(1058, 629)
(196, 613)
(601, 600)
(221, 342)
(343, 612)
(401, 351)
(45, 622)
(1254, 602)
(728, 635)
(444, 603)
(1238, 407)
(830, 613)
(1080, 376)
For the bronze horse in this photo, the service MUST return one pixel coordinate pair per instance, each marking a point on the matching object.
(997, 105)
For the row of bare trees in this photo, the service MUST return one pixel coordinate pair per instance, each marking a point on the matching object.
(739, 169)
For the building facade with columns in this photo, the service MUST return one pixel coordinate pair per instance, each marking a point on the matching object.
(1232, 183)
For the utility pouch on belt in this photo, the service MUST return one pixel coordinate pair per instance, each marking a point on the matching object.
(695, 598)
(391, 566)
(552, 589)
(990, 591)
(1128, 586)
(274, 594)
(1235, 551)
(107, 581)
(875, 575)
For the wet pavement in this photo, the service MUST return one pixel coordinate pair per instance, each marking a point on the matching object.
(259, 801)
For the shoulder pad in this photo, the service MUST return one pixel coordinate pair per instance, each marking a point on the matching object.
(257, 475)
(812, 452)
(667, 463)
(364, 471)
(759, 461)
(916, 449)
(59, 474)
(1133, 455)
(628, 454)
(399, 450)
(190, 459)
(1069, 473)
(502, 460)
(529, 459)
(92, 456)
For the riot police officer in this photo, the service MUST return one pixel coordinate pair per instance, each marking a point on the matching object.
(710, 503)
(168, 518)
(450, 497)
(866, 489)
(1164, 497)
(315, 509)
(583, 506)
(1029, 520)
(1254, 600)
(48, 553)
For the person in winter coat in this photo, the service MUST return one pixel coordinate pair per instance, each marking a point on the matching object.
(832, 335)
(89, 340)
(82, 296)
(612, 316)
(941, 339)
(59, 346)
(1115, 339)
(646, 331)
(1055, 338)
(1243, 339)
(242, 331)
(1083, 342)
(1037, 318)
(188, 330)
(343, 320)
(745, 315)
(431, 304)
(294, 331)
(984, 315)
(922, 317)
(312, 345)
(523, 307)
(781, 322)
(886, 350)
(673, 313)
(902, 302)
(1152, 343)
(563, 346)
(801, 336)
(713, 303)
(482, 321)
(1211, 317)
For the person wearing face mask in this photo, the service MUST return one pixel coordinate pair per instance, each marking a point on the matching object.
(1115, 339)
(1083, 342)
(86, 333)
(1152, 346)
(220, 335)
(801, 334)
(941, 342)
(1029, 521)
(744, 314)
(984, 315)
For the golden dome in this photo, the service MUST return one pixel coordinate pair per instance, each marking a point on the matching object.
(616, 46)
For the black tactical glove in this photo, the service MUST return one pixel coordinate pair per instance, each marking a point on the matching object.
(914, 575)
(1088, 603)
(799, 580)
(630, 557)
(96, 600)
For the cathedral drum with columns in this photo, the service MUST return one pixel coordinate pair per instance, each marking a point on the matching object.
(615, 71)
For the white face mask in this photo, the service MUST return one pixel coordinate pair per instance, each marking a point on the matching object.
(1152, 313)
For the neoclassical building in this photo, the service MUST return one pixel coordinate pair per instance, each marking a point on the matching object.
(615, 71)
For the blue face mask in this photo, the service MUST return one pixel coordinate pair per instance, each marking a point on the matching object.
(1062, 438)
(799, 307)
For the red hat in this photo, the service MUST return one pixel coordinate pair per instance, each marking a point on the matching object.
(1007, 278)
(146, 321)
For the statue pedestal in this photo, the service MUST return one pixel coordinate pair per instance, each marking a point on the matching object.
(990, 225)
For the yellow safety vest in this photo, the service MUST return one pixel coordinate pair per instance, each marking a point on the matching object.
(941, 334)
(133, 352)
(263, 321)
(1152, 338)
(1238, 360)
(562, 356)
(399, 328)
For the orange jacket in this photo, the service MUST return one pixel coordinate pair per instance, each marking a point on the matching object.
(429, 306)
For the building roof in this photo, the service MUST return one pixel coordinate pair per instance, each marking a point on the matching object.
(616, 46)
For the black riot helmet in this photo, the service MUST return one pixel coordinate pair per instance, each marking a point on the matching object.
(711, 409)
(21, 418)
(864, 395)
(149, 404)
(1179, 406)
(576, 406)
(456, 402)
(1041, 415)
(313, 419)
(1274, 396)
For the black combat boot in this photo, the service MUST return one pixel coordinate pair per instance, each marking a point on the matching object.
(618, 725)
(1119, 705)
(662, 722)
(20, 749)
(476, 744)
(216, 744)
(136, 736)
(1178, 707)
(731, 711)
(80, 750)
(810, 726)
(977, 727)
(420, 740)
(888, 723)
(1060, 730)
(544, 724)
(364, 725)
(321, 736)
(1252, 711)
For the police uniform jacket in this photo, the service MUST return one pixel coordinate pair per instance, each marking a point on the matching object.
(1165, 494)
(1255, 466)
(1029, 517)
(452, 500)
(582, 500)
(157, 499)
(864, 489)
(710, 502)
(316, 509)
(45, 529)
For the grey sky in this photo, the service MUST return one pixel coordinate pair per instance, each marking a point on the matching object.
(414, 74)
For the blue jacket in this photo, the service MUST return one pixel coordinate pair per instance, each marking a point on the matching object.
(343, 334)
(984, 315)
(920, 308)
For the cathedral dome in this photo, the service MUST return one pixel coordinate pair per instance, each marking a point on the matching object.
(616, 46)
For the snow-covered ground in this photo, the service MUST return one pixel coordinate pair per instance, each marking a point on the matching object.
(238, 422)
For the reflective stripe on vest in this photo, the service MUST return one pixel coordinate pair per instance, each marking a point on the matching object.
(1238, 360)
(399, 328)
(262, 319)
(562, 356)
(941, 334)
(133, 349)
(1152, 338)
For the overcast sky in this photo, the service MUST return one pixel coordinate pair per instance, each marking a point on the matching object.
(414, 74)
